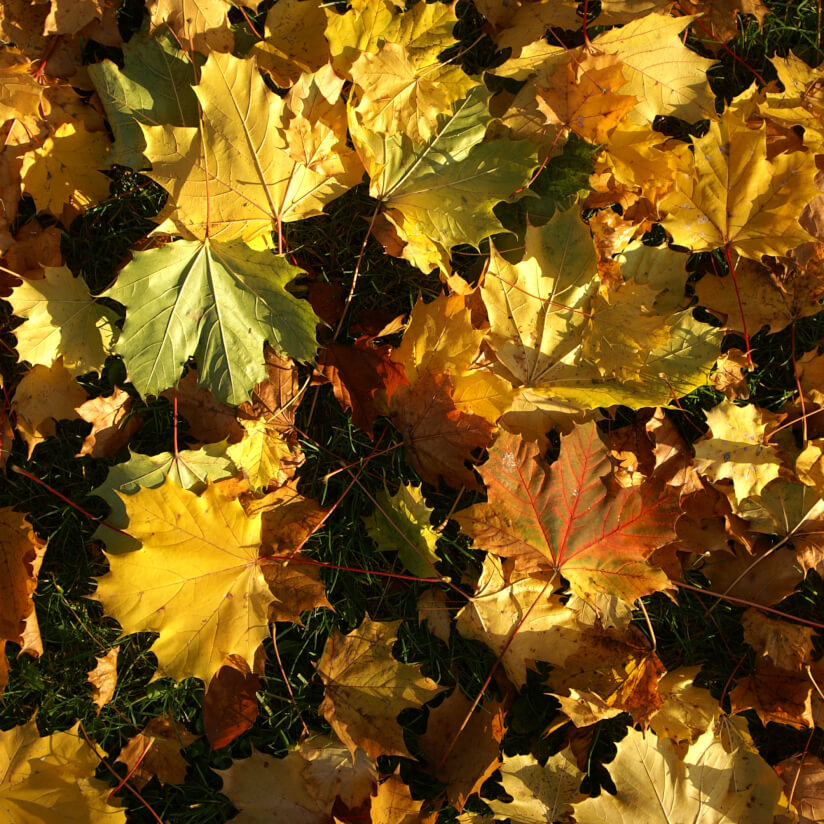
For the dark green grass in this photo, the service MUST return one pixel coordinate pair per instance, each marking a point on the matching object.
(695, 630)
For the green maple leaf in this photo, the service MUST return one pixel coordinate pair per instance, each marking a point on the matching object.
(401, 522)
(153, 88)
(218, 302)
(441, 193)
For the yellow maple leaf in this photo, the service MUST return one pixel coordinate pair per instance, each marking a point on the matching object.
(553, 334)
(538, 307)
(50, 780)
(259, 454)
(69, 18)
(235, 177)
(734, 197)
(664, 76)
(425, 29)
(197, 580)
(44, 395)
(294, 41)
(712, 783)
(440, 339)
(20, 96)
(802, 101)
(64, 170)
(583, 97)
(399, 96)
(62, 320)
(365, 688)
(441, 193)
(199, 24)
(539, 793)
(736, 449)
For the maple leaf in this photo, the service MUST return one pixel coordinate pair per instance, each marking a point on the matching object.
(43, 396)
(332, 772)
(64, 170)
(687, 710)
(538, 307)
(293, 41)
(230, 704)
(562, 519)
(462, 753)
(550, 632)
(62, 320)
(112, 426)
(440, 193)
(736, 449)
(758, 298)
(357, 373)
(721, 16)
(207, 597)
(710, 784)
(235, 176)
(307, 781)
(776, 695)
(263, 456)
(539, 793)
(103, 678)
(365, 688)
(400, 95)
(425, 31)
(199, 24)
(20, 95)
(218, 302)
(34, 248)
(734, 196)
(22, 553)
(392, 803)
(401, 523)
(189, 469)
(65, 18)
(522, 21)
(292, 800)
(441, 339)
(801, 103)
(552, 333)
(209, 420)
(787, 646)
(152, 88)
(663, 75)
(155, 752)
(47, 780)
(582, 96)
(440, 439)
(803, 776)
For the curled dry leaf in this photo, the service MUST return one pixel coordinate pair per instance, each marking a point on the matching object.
(112, 425)
(103, 678)
(21, 553)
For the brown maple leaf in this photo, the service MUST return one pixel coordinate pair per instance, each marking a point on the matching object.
(440, 439)
(230, 704)
(356, 373)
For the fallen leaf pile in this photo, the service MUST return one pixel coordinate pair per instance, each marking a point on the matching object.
(542, 392)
